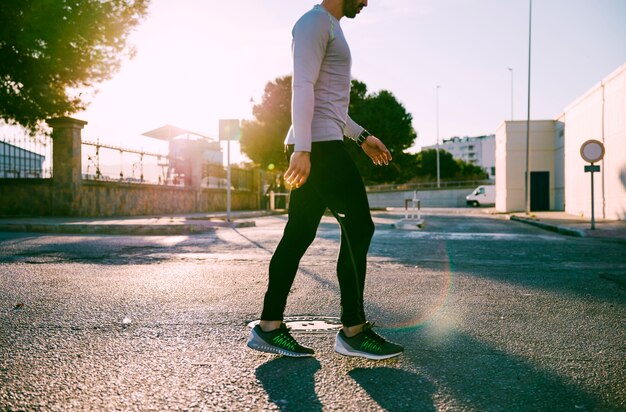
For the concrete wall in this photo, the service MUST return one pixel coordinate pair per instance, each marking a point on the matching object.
(119, 199)
(487, 156)
(32, 197)
(559, 166)
(599, 114)
(511, 161)
(429, 198)
(67, 194)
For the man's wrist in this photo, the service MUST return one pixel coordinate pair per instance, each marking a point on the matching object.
(363, 137)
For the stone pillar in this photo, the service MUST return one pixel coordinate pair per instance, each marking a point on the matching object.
(66, 164)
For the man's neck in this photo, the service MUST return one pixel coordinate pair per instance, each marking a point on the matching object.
(334, 7)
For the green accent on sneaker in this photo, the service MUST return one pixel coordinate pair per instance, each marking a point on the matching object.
(371, 345)
(284, 340)
(277, 341)
(367, 344)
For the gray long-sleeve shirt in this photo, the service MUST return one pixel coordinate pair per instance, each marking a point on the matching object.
(321, 82)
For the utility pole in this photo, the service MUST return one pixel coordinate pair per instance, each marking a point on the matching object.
(438, 167)
(527, 182)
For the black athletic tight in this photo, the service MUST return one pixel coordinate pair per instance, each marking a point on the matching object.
(336, 184)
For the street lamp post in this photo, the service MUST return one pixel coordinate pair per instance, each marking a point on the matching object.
(527, 177)
(229, 129)
(438, 167)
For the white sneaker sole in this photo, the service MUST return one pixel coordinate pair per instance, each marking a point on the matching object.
(257, 343)
(343, 349)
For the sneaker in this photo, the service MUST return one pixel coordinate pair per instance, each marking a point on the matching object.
(367, 344)
(278, 341)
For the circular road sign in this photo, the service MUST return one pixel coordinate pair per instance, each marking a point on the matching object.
(592, 151)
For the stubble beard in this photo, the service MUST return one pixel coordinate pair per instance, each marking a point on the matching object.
(351, 8)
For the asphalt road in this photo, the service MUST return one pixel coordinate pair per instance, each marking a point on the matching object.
(495, 315)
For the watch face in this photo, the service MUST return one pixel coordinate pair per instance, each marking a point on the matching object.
(592, 151)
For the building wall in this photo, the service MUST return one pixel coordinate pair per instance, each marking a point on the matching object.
(559, 166)
(599, 114)
(488, 155)
(502, 182)
(16, 162)
(511, 161)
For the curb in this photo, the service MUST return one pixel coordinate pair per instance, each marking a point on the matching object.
(124, 229)
(553, 228)
(141, 230)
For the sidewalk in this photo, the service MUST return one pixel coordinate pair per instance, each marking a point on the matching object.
(133, 225)
(571, 225)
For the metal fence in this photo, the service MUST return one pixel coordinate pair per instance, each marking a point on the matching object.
(106, 162)
(23, 156)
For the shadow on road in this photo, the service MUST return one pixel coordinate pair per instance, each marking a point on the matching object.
(101, 249)
(290, 383)
(395, 389)
(472, 375)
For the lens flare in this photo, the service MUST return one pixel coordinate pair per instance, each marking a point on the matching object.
(444, 292)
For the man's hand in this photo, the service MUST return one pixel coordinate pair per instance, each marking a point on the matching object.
(299, 169)
(376, 150)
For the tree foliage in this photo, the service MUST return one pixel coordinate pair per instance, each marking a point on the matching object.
(449, 167)
(54, 52)
(380, 113)
(386, 118)
(262, 139)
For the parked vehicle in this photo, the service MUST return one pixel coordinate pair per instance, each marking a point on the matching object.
(482, 196)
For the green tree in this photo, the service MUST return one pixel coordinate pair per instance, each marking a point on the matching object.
(262, 138)
(468, 171)
(386, 118)
(449, 167)
(54, 52)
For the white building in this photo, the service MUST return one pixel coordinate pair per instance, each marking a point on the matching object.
(479, 151)
(558, 177)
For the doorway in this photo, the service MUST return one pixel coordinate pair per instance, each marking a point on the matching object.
(539, 191)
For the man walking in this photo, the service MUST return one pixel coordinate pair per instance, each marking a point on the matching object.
(322, 175)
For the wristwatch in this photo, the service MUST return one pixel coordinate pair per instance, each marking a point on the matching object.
(362, 137)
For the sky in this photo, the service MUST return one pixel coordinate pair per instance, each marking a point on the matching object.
(198, 61)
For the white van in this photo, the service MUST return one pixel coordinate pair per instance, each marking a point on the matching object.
(482, 196)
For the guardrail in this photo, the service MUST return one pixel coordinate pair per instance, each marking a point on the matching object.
(427, 185)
